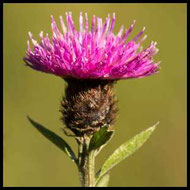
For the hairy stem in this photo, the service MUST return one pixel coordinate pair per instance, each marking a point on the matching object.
(90, 170)
(86, 165)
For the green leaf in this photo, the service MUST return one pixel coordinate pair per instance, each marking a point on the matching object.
(126, 150)
(100, 138)
(103, 181)
(55, 139)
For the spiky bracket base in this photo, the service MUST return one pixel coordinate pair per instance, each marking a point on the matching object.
(88, 105)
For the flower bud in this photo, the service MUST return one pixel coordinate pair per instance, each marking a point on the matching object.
(88, 105)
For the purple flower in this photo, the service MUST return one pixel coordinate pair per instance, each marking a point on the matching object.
(91, 53)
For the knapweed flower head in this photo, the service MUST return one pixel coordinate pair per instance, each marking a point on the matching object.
(92, 52)
(91, 61)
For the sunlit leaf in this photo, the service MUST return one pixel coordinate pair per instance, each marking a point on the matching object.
(126, 150)
(103, 181)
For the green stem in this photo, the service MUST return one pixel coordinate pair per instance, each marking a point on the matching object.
(86, 165)
(90, 170)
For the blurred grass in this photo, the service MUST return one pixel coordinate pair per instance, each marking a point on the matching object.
(31, 160)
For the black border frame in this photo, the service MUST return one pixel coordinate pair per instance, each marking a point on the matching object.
(96, 1)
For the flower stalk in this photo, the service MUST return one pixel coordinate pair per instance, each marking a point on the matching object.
(86, 164)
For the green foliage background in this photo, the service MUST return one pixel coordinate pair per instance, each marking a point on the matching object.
(31, 160)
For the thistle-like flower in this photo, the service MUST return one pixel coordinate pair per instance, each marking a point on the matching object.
(92, 53)
(91, 60)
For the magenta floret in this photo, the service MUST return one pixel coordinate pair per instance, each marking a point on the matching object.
(91, 53)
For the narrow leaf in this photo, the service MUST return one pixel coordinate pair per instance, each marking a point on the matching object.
(126, 150)
(55, 139)
(103, 181)
(100, 138)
